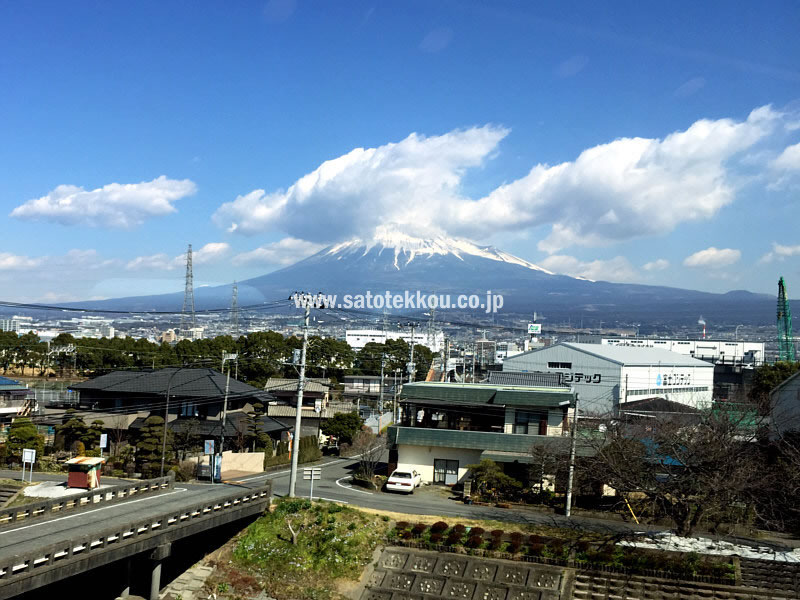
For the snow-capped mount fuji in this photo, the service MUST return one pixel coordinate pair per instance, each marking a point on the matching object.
(396, 262)
(405, 248)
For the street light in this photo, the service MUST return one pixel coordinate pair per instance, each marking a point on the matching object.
(166, 412)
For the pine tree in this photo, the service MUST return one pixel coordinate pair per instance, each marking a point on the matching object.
(23, 434)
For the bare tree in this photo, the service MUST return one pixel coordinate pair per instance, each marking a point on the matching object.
(370, 449)
(689, 467)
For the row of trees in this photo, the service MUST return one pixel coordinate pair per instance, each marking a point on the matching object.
(718, 468)
(262, 355)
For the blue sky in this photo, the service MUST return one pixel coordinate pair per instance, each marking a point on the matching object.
(641, 142)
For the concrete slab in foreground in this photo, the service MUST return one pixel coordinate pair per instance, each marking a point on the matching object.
(408, 574)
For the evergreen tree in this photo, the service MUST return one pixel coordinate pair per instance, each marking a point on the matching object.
(72, 429)
(148, 446)
(343, 426)
(23, 434)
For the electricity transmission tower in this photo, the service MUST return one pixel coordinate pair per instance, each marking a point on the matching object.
(187, 313)
(785, 337)
(235, 311)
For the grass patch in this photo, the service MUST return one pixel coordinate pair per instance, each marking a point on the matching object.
(333, 542)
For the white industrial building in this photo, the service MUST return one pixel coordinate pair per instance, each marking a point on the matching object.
(716, 351)
(607, 376)
(358, 338)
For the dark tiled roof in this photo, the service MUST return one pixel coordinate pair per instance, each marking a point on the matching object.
(278, 384)
(233, 424)
(183, 383)
(657, 405)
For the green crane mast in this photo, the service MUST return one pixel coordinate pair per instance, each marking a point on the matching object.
(785, 337)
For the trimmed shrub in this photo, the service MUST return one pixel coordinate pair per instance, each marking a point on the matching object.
(474, 541)
(406, 535)
(454, 538)
(534, 539)
(417, 530)
(536, 549)
(497, 533)
(477, 531)
(514, 546)
(439, 527)
(517, 536)
(401, 525)
(582, 546)
(436, 538)
(557, 548)
(495, 543)
(459, 528)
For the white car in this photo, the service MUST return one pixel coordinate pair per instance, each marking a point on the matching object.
(403, 481)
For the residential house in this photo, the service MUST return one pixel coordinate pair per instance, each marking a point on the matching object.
(447, 426)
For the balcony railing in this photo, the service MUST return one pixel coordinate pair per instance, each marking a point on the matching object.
(476, 440)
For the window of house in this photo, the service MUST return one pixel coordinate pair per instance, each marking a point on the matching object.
(445, 471)
(530, 422)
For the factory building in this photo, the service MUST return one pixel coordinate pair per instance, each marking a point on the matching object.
(715, 351)
(607, 376)
(358, 338)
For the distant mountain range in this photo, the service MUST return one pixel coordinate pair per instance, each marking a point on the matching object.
(398, 262)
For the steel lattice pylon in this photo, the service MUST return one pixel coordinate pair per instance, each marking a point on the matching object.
(187, 313)
(785, 336)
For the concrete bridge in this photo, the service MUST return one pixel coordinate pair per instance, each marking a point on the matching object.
(46, 542)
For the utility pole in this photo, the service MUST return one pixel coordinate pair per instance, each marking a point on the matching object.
(224, 412)
(411, 369)
(571, 475)
(473, 362)
(380, 398)
(308, 302)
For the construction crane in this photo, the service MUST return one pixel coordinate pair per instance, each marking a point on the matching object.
(785, 337)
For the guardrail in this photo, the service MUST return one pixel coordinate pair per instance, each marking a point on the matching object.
(46, 508)
(62, 552)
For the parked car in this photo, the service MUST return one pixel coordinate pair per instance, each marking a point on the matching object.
(403, 481)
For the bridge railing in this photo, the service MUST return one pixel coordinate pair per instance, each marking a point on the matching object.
(117, 493)
(77, 548)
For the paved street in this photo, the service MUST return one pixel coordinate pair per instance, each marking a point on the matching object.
(20, 538)
(429, 500)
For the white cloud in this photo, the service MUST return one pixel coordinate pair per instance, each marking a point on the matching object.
(284, 252)
(114, 205)
(713, 257)
(789, 159)
(691, 87)
(278, 11)
(616, 269)
(402, 183)
(16, 262)
(209, 253)
(657, 265)
(572, 66)
(625, 189)
(628, 188)
(436, 40)
(779, 252)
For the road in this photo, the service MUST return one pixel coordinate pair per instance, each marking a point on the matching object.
(334, 486)
(428, 500)
(21, 538)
